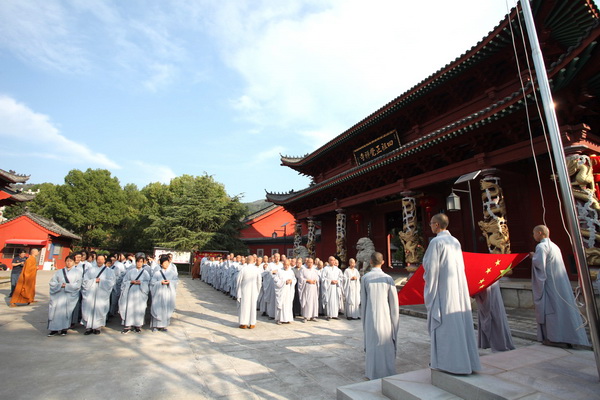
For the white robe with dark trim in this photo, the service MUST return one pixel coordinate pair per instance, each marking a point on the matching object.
(163, 297)
(96, 297)
(134, 298)
(63, 299)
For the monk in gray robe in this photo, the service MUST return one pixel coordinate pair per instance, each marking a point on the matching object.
(249, 282)
(119, 270)
(284, 282)
(163, 287)
(380, 315)
(134, 297)
(308, 286)
(493, 331)
(98, 282)
(449, 318)
(352, 290)
(64, 296)
(331, 283)
(557, 315)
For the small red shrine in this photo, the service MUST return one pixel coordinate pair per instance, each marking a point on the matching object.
(269, 231)
(34, 231)
(470, 132)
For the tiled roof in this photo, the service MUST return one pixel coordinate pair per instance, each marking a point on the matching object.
(260, 212)
(13, 177)
(49, 224)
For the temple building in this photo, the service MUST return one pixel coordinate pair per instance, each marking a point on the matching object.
(8, 196)
(469, 140)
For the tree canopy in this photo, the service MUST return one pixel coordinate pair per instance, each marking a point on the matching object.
(190, 213)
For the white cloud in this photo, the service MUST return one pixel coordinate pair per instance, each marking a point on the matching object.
(144, 173)
(38, 32)
(36, 131)
(267, 156)
(314, 68)
(162, 75)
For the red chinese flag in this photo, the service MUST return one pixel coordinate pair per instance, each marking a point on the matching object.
(481, 270)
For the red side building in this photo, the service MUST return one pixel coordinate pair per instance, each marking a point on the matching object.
(260, 227)
(33, 231)
(476, 119)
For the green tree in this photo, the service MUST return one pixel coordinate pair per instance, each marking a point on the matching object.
(194, 213)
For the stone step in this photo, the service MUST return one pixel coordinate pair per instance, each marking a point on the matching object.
(479, 386)
(414, 385)
(370, 390)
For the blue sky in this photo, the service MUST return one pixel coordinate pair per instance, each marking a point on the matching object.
(154, 89)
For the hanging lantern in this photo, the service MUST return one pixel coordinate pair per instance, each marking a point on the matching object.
(453, 202)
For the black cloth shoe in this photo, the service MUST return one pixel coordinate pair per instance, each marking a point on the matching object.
(137, 329)
(125, 331)
(96, 331)
(53, 333)
(88, 332)
(63, 332)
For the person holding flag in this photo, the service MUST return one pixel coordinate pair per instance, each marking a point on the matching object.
(449, 318)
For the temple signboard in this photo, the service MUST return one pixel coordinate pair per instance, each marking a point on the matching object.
(382, 145)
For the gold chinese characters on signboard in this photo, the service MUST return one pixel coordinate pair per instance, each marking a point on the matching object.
(382, 145)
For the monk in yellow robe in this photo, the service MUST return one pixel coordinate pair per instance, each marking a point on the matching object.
(25, 289)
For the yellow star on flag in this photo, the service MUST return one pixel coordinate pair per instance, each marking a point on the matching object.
(487, 271)
(498, 262)
(481, 281)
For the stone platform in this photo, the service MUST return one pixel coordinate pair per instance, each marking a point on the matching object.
(532, 372)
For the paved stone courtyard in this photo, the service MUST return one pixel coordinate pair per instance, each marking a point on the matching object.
(204, 355)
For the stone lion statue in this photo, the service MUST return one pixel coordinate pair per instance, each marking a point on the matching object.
(301, 251)
(365, 248)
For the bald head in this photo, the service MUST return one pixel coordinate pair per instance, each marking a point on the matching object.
(441, 219)
(376, 259)
(541, 232)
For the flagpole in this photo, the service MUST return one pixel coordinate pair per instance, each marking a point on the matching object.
(563, 179)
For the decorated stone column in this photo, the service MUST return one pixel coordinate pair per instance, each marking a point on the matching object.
(494, 225)
(581, 172)
(297, 237)
(411, 238)
(311, 237)
(340, 236)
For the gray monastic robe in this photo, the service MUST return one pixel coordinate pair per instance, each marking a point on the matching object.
(449, 318)
(556, 312)
(352, 292)
(284, 295)
(248, 285)
(63, 299)
(83, 266)
(96, 296)
(380, 316)
(134, 298)
(493, 331)
(309, 293)
(163, 297)
(272, 296)
(119, 269)
(331, 292)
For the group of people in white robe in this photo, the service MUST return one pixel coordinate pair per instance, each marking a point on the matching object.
(283, 289)
(91, 289)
